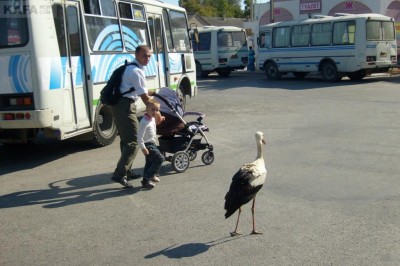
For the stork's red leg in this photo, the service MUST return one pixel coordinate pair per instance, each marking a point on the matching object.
(235, 233)
(254, 232)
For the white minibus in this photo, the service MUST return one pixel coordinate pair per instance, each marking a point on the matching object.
(219, 49)
(353, 45)
(56, 56)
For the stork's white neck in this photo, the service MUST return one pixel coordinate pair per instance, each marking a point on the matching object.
(259, 150)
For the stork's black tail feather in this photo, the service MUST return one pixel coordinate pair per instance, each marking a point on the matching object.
(232, 204)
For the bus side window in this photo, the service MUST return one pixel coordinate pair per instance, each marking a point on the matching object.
(344, 32)
(265, 40)
(204, 41)
(262, 40)
(321, 34)
(91, 7)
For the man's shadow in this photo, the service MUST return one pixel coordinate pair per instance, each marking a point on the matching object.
(190, 249)
(67, 192)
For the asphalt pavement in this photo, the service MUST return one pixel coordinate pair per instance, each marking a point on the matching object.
(331, 197)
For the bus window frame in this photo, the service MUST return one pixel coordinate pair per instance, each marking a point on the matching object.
(347, 25)
(171, 36)
(120, 21)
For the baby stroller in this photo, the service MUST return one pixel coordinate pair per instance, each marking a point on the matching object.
(180, 138)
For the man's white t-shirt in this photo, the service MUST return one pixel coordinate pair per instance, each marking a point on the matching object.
(134, 77)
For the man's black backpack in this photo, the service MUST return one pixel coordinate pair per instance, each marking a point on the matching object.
(110, 94)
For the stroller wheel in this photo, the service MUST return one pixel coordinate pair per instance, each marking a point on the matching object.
(180, 161)
(207, 157)
(192, 154)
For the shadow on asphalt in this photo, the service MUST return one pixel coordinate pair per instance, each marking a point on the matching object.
(190, 249)
(62, 193)
(67, 192)
(17, 157)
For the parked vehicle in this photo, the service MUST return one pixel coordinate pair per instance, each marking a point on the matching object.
(56, 56)
(335, 46)
(219, 49)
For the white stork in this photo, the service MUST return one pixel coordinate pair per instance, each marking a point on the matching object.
(245, 184)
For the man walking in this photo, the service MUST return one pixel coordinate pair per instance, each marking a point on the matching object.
(124, 113)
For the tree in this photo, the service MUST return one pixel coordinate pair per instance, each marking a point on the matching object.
(247, 8)
(213, 8)
(190, 5)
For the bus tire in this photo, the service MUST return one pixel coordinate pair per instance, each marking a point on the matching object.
(199, 71)
(357, 75)
(329, 72)
(272, 71)
(104, 128)
(224, 72)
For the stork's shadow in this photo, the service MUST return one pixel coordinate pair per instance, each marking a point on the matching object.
(189, 250)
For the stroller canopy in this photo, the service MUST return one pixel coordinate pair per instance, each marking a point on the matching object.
(169, 102)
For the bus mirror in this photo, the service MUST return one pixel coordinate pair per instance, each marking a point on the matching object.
(258, 41)
(196, 35)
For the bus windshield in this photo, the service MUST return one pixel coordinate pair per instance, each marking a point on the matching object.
(231, 39)
(13, 25)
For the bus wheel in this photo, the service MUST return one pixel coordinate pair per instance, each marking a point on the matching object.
(104, 128)
(358, 75)
(224, 72)
(329, 72)
(199, 71)
(300, 75)
(272, 71)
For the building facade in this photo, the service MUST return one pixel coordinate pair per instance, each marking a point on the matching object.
(284, 10)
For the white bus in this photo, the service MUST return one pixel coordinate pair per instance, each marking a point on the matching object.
(220, 49)
(334, 46)
(56, 56)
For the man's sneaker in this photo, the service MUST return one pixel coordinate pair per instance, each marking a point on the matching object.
(155, 179)
(123, 182)
(147, 184)
(130, 175)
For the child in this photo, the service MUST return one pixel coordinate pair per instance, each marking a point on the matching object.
(146, 140)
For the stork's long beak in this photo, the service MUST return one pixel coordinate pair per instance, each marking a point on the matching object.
(263, 141)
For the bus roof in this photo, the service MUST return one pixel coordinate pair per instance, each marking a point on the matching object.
(323, 18)
(218, 28)
(159, 3)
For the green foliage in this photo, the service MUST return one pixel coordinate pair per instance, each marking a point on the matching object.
(247, 7)
(214, 8)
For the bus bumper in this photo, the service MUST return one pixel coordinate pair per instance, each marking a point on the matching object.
(26, 119)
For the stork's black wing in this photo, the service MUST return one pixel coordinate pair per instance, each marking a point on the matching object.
(240, 191)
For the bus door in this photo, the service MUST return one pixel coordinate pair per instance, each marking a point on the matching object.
(75, 67)
(157, 44)
(264, 47)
